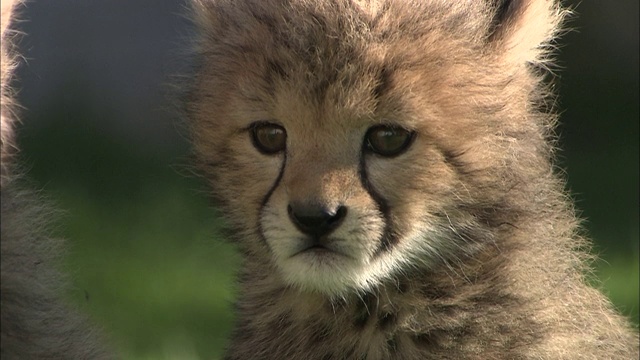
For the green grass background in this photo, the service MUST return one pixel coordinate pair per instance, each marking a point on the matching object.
(146, 255)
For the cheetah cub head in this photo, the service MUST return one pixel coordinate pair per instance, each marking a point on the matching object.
(348, 142)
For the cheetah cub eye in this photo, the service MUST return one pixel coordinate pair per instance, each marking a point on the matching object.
(268, 138)
(388, 140)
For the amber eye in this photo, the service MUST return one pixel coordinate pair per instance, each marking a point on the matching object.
(268, 138)
(388, 140)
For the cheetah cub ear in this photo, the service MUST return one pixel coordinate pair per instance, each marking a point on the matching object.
(521, 30)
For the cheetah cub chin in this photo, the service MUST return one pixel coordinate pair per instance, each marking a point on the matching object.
(384, 166)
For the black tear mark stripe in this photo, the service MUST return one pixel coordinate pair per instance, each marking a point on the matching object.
(268, 196)
(389, 237)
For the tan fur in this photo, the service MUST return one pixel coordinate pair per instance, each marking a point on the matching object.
(35, 322)
(7, 63)
(463, 247)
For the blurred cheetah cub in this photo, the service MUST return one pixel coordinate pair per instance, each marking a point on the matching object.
(385, 167)
(36, 323)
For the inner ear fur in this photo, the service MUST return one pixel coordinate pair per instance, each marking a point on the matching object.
(522, 30)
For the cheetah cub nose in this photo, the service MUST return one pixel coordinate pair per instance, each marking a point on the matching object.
(315, 219)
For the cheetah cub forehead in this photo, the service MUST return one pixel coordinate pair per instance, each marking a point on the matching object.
(332, 133)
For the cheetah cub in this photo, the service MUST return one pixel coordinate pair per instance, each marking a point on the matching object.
(384, 166)
(35, 321)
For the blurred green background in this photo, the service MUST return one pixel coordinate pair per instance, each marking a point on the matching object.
(146, 255)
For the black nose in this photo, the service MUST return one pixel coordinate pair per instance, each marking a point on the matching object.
(316, 220)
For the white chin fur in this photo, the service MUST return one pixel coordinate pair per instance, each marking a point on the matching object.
(337, 275)
(330, 273)
(350, 266)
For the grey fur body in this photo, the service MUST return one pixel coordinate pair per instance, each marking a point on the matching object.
(498, 270)
(35, 322)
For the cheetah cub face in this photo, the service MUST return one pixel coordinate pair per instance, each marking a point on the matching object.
(337, 200)
(328, 218)
(339, 211)
(334, 149)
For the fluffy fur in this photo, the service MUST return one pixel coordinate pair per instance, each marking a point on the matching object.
(35, 322)
(465, 246)
(7, 63)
